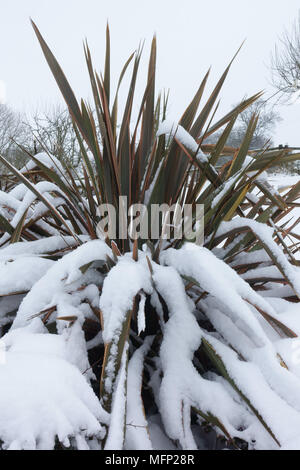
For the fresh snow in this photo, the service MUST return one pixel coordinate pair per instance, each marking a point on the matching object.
(32, 269)
(123, 283)
(40, 247)
(50, 396)
(137, 432)
(50, 161)
(265, 233)
(52, 288)
(182, 386)
(117, 424)
(174, 130)
(222, 282)
(47, 376)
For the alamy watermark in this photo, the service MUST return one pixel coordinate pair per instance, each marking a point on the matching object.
(156, 221)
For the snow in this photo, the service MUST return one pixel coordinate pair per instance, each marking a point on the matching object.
(51, 289)
(264, 272)
(265, 233)
(252, 198)
(76, 348)
(28, 203)
(47, 376)
(96, 341)
(31, 269)
(287, 313)
(272, 385)
(39, 247)
(181, 385)
(124, 281)
(137, 433)
(44, 388)
(224, 284)
(258, 256)
(7, 199)
(50, 161)
(18, 191)
(141, 314)
(117, 424)
(227, 186)
(175, 131)
(122, 284)
(158, 438)
(30, 197)
(283, 181)
(280, 379)
(252, 384)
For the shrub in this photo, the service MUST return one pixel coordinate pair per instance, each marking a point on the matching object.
(179, 336)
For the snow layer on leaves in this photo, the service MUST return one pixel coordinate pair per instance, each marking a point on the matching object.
(141, 314)
(116, 432)
(30, 197)
(289, 350)
(228, 185)
(287, 313)
(6, 199)
(223, 283)
(18, 191)
(157, 436)
(182, 386)
(258, 256)
(252, 383)
(70, 344)
(50, 397)
(40, 247)
(122, 284)
(76, 348)
(265, 235)
(21, 274)
(50, 161)
(34, 211)
(51, 289)
(279, 378)
(174, 130)
(265, 272)
(137, 434)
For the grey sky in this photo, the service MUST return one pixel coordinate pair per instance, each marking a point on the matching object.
(192, 35)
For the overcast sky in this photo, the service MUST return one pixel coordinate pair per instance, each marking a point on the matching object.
(192, 35)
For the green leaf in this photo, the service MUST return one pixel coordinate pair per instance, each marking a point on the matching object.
(5, 225)
(18, 230)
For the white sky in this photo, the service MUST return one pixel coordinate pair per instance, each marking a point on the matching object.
(192, 35)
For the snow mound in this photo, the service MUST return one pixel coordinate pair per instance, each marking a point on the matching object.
(43, 397)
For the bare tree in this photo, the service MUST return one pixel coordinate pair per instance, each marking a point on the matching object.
(12, 130)
(50, 130)
(268, 118)
(54, 132)
(285, 62)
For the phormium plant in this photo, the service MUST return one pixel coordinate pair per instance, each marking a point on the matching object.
(120, 343)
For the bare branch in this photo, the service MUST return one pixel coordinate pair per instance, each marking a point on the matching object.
(285, 62)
